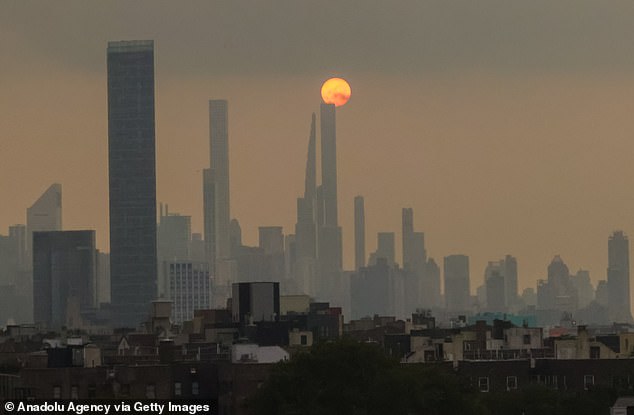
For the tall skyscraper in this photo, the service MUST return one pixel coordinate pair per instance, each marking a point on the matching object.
(44, 215)
(306, 225)
(209, 217)
(457, 292)
(359, 233)
(422, 289)
(407, 224)
(329, 163)
(64, 273)
(219, 146)
(619, 277)
(132, 175)
(510, 280)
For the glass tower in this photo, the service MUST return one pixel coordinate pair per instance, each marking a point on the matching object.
(132, 175)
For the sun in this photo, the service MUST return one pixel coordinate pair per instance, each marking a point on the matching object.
(335, 91)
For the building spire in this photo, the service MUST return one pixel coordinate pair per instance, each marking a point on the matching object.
(311, 163)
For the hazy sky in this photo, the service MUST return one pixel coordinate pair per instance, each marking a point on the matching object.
(506, 125)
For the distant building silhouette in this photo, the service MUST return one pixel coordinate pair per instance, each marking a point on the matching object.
(457, 291)
(359, 232)
(272, 244)
(132, 175)
(209, 217)
(64, 273)
(44, 215)
(619, 277)
(305, 267)
(217, 210)
(557, 294)
(329, 243)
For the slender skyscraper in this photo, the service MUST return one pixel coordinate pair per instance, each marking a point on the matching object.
(329, 249)
(219, 144)
(209, 216)
(359, 233)
(305, 228)
(132, 175)
(408, 231)
(619, 277)
(329, 163)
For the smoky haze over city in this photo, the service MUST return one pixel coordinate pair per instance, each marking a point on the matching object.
(169, 165)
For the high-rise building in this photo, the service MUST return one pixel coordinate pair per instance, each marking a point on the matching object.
(329, 244)
(407, 232)
(385, 247)
(359, 233)
(619, 277)
(209, 208)
(174, 241)
(377, 289)
(510, 281)
(64, 271)
(219, 157)
(329, 163)
(585, 291)
(44, 215)
(272, 243)
(306, 225)
(132, 175)
(189, 288)
(457, 291)
(422, 289)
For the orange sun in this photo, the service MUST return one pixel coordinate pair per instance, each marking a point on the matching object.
(335, 91)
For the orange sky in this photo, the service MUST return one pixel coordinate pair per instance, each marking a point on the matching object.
(498, 149)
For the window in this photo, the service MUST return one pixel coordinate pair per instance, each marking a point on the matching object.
(588, 381)
(177, 389)
(195, 388)
(527, 339)
(92, 391)
(595, 352)
(57, 392)
(303, 340)
(483, 384)
(74, 392)
(511, 383)
(150, 391)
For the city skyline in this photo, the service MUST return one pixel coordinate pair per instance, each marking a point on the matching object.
(545, 203)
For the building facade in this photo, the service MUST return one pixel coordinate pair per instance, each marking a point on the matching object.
(132, 177)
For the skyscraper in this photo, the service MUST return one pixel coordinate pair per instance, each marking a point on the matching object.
(329, 246)
(209, 216)
(64, 273)
(407, 232)
(219, 157)
(44, 215)
(359, 233)
(619, 277)
(457, 292)
(329, 163)
(132, 175)
(306, 225)
(422, 289)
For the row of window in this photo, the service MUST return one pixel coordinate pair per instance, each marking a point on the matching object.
(150, 390)
(552, 381)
